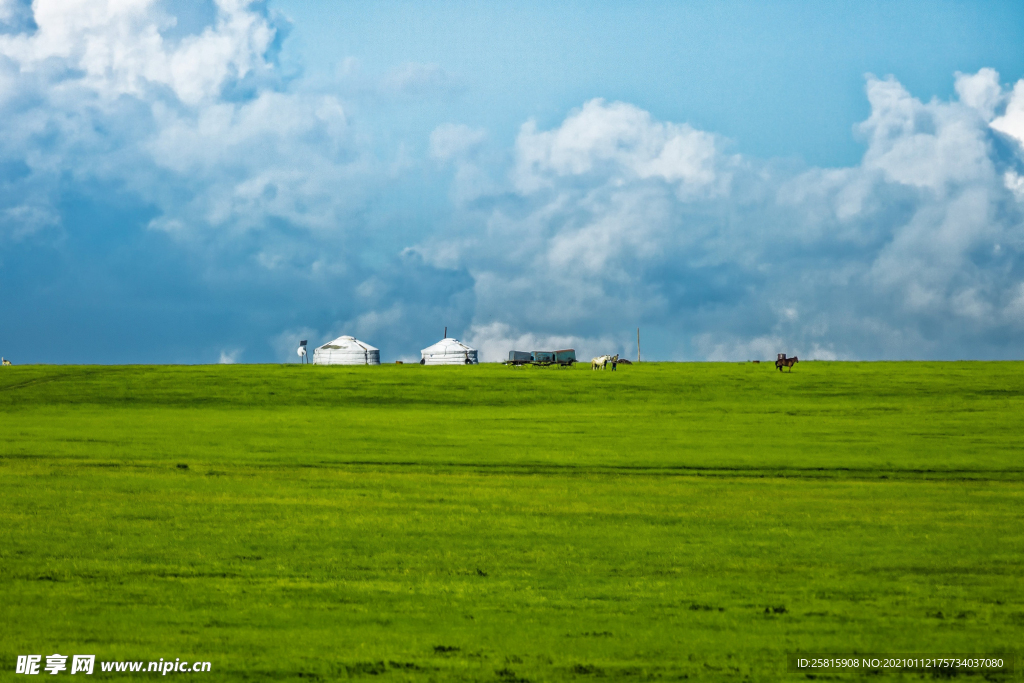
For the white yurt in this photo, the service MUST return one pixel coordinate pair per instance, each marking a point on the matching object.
(346, 350)
(448, 351)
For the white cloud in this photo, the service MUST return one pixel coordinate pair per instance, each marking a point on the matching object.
(608, 220)
(616, 137)
(229, 356)
(460, 146)
(200, 125)
(980, 91)
(618, 219)
(118, 46)
(1014, 182)
(21, 220)
(413, 78)
(12, 11)
(1012, 121)
(929, 145)
(452, 140)
(279, 155)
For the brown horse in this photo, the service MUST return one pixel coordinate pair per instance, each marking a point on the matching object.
(786, 362)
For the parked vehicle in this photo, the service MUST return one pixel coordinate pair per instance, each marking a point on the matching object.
(561, 358)
(565, 356)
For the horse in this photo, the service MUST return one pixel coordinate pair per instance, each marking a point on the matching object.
(5, 361)
(786, 362)
(602, 361)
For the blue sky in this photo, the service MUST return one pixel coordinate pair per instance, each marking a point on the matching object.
(211, 182)
(778, 78)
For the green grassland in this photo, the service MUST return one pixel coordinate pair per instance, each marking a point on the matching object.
(396, 523)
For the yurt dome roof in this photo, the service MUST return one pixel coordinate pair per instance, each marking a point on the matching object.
(447, 345)
(348, 343)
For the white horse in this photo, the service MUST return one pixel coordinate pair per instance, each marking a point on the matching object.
(602, 361)
(5, 361)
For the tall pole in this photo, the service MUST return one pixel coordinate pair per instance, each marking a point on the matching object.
(445, 332)
(638, 345)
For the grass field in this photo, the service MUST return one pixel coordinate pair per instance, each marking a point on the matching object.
(665, 521)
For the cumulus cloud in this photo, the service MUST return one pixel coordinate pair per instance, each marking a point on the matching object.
(177, 120)
(619, 139)
(980, 91)
(1011, 122)
(118, 47)
(277, 156)
(461, 147)
(200, 125)
(930, 145)
(413, 78)
(453, 140)
(614, 219)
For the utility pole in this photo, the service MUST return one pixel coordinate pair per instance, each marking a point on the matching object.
(638, 345)
(445, 332)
